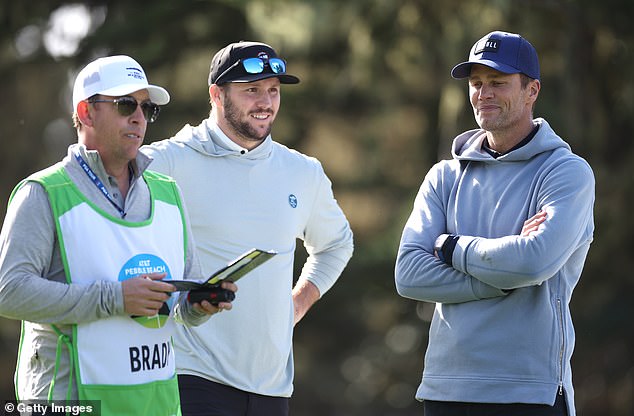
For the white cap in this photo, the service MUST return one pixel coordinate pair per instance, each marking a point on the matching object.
(115, 76)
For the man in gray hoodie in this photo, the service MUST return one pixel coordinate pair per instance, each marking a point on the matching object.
(497, 238)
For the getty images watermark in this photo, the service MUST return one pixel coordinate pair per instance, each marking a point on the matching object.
(49, 408)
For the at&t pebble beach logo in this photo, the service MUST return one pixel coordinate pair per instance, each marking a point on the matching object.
(142, 264)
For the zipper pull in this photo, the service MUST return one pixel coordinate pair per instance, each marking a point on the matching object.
(561, 389)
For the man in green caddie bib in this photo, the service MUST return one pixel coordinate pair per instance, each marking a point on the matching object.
(83, 249)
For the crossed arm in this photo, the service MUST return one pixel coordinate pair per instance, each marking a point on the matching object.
(442, 283)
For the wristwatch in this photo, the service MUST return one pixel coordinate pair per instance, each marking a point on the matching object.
(440, 242)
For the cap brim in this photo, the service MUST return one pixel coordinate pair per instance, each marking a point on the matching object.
(158, 95)
(284, 78)
(463, 70)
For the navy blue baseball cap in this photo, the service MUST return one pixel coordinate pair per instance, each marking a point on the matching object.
(506, 52)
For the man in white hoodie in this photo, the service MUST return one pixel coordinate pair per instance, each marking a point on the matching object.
(243, 191)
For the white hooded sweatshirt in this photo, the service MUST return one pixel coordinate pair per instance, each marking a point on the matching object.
(266, 198)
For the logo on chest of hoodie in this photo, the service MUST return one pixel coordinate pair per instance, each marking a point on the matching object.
(292, 201)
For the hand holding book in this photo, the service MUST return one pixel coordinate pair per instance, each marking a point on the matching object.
(210, 290)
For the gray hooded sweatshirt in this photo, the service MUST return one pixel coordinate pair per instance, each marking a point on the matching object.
(502, 330)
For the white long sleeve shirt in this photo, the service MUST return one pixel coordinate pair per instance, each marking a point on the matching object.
(266, 198)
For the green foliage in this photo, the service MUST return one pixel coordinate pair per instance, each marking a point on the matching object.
(378, 107)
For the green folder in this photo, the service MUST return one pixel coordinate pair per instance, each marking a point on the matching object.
(231, 272)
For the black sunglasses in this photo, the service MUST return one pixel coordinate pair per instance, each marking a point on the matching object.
(256, 66)
(127, 105)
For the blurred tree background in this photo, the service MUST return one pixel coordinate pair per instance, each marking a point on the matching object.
(378, 107)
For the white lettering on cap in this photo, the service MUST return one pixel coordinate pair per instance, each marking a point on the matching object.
(487, 45)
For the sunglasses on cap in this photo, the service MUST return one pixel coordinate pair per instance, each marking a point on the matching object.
(257, 65)
(126, 106)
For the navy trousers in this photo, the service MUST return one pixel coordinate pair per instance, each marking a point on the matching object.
(434, 408)
(201, 397)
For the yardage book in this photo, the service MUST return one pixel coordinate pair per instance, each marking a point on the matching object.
(231, 272)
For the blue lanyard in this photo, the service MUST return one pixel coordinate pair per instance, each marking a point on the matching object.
(98, 183)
